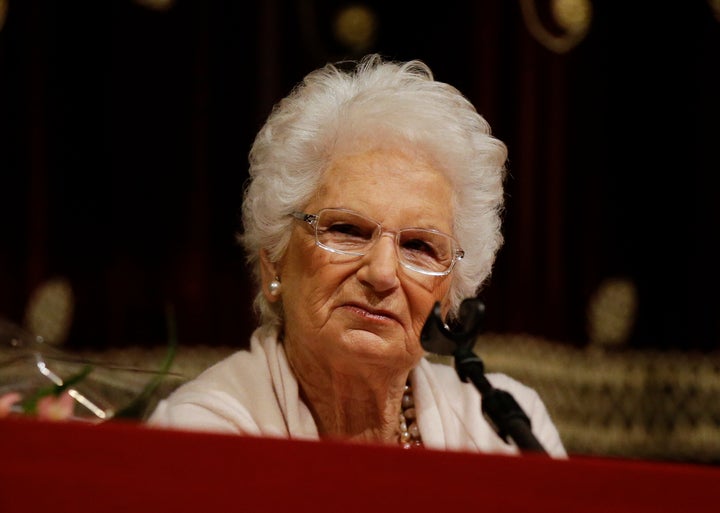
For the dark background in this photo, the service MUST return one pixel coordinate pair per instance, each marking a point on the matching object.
(124, 134)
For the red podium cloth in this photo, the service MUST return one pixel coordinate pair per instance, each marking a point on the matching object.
(76, 467)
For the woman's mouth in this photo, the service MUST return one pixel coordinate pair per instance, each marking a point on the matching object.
(371, 313)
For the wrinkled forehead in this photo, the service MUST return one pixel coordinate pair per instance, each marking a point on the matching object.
(389, 186)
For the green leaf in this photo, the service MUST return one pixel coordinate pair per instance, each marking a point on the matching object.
(136, 408)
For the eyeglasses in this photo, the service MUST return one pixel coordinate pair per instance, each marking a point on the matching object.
(346, 232)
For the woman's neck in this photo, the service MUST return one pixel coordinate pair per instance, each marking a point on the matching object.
(355, 410)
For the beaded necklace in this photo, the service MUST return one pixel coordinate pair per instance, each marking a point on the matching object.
(409, 430)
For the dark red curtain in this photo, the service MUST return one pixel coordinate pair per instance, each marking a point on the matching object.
(124, 134)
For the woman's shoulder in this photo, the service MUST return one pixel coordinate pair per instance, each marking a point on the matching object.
(223, 395)
(445, 377)
(243, 363)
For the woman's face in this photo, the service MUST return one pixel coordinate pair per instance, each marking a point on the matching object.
(369, 311)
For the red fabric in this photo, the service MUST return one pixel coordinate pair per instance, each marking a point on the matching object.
(58, 466)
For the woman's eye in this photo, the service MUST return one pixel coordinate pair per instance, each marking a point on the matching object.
(419, 246)
(347, 229)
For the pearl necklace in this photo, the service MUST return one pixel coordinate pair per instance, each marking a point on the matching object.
(409, 430)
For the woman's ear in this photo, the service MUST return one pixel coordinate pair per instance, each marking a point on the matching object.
(269, 274)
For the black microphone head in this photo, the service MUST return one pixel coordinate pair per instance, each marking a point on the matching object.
(435, 337)
(471, 314)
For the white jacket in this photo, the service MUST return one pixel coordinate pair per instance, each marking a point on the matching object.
(255, 393)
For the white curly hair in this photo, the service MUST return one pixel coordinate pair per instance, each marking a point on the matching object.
(374, 102)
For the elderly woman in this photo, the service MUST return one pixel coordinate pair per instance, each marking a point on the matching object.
(375, 192)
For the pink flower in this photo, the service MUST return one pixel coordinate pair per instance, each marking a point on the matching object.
(7, 401)
(53, 407)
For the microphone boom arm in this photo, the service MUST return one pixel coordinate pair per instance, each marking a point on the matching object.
(499, 407)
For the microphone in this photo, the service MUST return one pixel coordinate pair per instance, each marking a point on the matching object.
(499, 407)
(436, 336)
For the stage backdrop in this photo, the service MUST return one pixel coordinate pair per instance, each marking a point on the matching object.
(125, 127)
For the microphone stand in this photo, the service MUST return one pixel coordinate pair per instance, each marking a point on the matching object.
(499, 407)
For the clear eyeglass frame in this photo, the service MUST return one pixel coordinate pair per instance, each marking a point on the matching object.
(455, 252)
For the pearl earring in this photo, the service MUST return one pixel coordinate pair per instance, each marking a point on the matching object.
(275, 286)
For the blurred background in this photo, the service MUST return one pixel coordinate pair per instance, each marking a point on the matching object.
(125, 127)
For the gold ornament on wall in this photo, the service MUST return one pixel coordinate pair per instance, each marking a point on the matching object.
(49, 312)
(612, 312)
(559, 25)
(355, 27)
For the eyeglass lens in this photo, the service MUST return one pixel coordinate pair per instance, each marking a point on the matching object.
(351, 233)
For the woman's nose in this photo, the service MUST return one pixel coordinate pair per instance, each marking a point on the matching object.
(380, 264)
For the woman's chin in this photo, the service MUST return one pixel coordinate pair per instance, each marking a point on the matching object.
(369, 345)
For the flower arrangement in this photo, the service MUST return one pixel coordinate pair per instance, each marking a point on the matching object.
(53, 402)
(40, 380)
